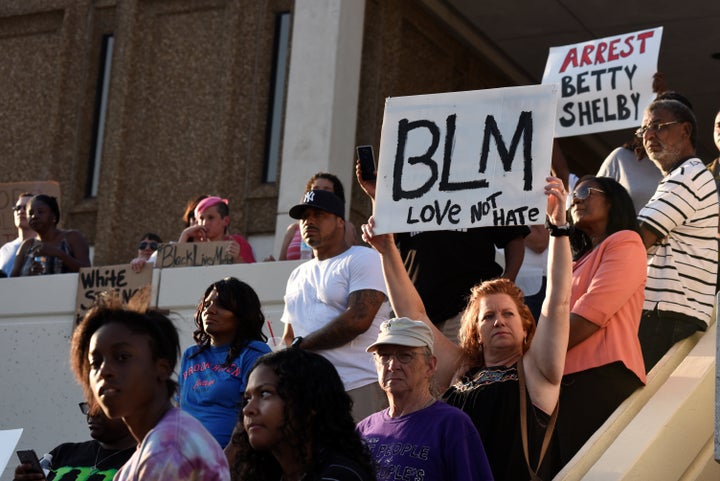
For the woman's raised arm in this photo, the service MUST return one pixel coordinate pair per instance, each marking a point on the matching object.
(545, 359)
(406, 302)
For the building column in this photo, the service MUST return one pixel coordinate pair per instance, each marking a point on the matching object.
(322, 98)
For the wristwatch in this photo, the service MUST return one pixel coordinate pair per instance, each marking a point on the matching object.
(557, 230)
(296, 342)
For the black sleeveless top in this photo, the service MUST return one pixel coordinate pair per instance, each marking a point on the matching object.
(491, 397)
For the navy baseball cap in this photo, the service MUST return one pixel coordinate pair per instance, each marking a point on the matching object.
(319, 199)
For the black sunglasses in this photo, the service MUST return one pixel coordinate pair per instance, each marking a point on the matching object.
(18, 208)
(144, 245)
(84, 408)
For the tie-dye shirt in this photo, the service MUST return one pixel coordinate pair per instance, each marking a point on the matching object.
(177, 448)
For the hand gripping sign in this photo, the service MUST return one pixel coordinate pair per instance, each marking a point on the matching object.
(465, 159)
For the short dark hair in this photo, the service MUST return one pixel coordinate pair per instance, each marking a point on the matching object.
(223, 209)
(338, 189)
(151, 236)
(673, 95)
(51, 202)
(680, 112)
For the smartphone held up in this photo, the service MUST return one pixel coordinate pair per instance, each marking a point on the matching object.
(28, 456)
(367, 162)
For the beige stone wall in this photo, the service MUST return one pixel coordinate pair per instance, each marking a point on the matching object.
(407, 51)
(188, 103)
(186, 114)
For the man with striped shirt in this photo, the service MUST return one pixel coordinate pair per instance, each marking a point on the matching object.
(679, 225)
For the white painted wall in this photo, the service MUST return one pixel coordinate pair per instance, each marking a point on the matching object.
(37, 390)
(322, 99)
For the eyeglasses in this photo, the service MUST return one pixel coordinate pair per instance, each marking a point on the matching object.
(640, 133)
(84, 408)
(584, 191)
(18, 208)
(144, 245)
(403, 357)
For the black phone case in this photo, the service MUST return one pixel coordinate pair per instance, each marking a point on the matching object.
(367, 162)
(28, 456)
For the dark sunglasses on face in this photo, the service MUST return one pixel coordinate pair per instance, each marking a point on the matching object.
(84, 408)
(18, 208)
(584, 191)
(145, 245)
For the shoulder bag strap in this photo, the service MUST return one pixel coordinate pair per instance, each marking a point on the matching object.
(523, 423)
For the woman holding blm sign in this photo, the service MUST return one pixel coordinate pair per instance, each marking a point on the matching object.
(505, 365)
(54, 250)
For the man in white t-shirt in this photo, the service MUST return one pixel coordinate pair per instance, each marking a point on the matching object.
(678, 225)
(9, 249)
(335, 302)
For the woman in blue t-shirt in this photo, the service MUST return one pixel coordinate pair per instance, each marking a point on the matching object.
(228, 339)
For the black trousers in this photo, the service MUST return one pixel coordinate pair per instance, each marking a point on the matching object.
(587, 399)
(659, 332)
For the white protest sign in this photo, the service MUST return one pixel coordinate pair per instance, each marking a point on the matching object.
(605, 84)
(465, 159)
(8, 440)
